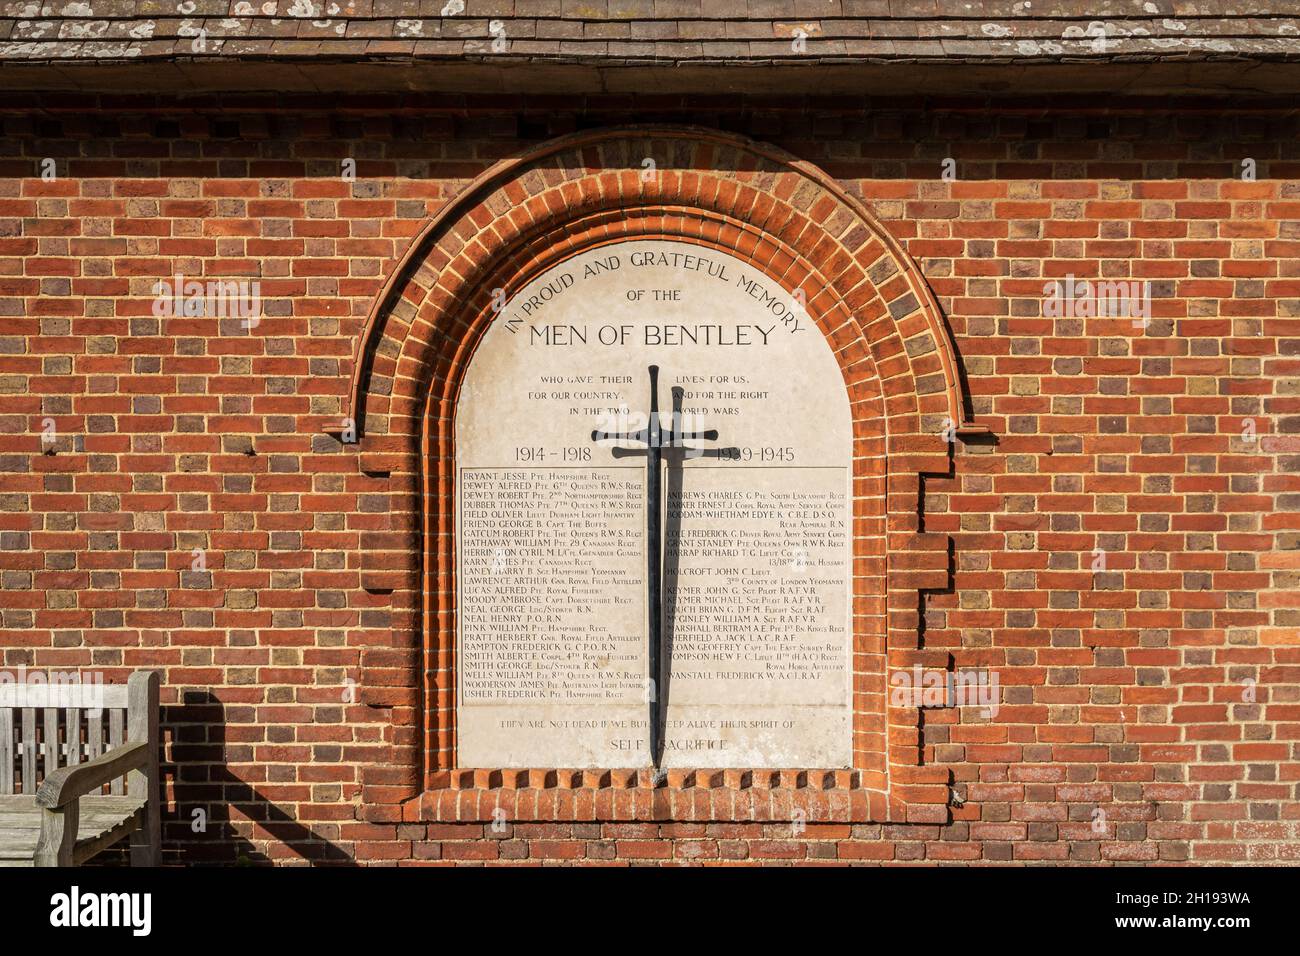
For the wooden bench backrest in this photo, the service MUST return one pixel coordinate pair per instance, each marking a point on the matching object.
(46, 726)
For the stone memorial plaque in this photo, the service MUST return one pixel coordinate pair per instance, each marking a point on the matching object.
(551, 526)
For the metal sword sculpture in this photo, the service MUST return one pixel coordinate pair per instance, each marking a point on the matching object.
(657, 441)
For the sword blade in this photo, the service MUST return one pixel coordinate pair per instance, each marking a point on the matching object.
(657, 441)
(654, 597)
(654, 566)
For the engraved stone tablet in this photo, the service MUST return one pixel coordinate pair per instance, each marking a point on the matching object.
(551, 526)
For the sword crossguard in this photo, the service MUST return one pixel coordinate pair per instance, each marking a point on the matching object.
(654, 433)
(640, 436)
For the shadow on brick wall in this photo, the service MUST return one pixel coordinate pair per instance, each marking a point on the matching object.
(213, 816)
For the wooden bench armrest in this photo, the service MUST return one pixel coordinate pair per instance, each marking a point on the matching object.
(67, 784)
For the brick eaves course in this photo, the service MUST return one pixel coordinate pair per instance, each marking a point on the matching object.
(641, 32)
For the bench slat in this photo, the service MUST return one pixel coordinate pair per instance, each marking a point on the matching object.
(116, 737)
(88, 695)
(6, 752)
(28, 742)
(94, 734)
(74, 736)
(51, 741)
(88, 820)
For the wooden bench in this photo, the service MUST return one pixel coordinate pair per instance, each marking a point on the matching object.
(53, 811)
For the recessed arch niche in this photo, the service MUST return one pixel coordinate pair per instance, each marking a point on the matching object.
(794, 225)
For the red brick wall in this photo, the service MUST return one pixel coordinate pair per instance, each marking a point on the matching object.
(1123, 690)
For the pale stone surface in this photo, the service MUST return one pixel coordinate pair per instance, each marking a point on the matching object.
(551, 658)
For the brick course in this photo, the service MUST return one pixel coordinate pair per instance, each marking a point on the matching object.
(1123, 689)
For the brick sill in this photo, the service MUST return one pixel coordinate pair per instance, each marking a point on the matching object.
(628, 795)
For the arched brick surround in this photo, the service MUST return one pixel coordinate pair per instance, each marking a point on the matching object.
(866, 295)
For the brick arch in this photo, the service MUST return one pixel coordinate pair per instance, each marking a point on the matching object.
(793, 224)
(702, 168)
